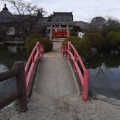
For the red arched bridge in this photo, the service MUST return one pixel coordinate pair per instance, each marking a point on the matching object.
(54, 76)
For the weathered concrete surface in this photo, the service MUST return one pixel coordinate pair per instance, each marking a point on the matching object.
(64, 108)
(55, 78)
(56, 52)
(67, 107)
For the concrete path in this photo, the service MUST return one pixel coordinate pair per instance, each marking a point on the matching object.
(54, 76)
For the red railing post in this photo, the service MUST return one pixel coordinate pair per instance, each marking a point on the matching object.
(84, 78)
(68, 50)
(38, 50)
(74, 61)
(33, 58)
(35, 54)
(85, 85)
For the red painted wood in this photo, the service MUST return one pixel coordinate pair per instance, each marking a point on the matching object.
(84, 77)
(36, 53)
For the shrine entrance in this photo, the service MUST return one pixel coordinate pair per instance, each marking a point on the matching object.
(60, 33)
(60, 25)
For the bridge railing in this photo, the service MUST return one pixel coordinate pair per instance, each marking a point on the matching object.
(69, 51)
(20, 94)
(36, 53)
(22, 75)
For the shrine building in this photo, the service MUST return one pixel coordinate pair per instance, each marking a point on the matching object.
(59, 25)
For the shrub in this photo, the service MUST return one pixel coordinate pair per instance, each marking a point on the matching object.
(113, 38)
(91, 31)
(108, 29)
(31, 41)
(33, 38)
(48, 45)
(82, 46)
(74, 40)
(95, 39)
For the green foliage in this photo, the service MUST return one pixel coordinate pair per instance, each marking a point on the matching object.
(75, 30)
(95, 39)
(81, 45)
(108, 29)
(84, 48)
(113, 38)
(91, 31)
(48, 45)
(97, 23)
(74, 40)
(85, 44)
(31, 40)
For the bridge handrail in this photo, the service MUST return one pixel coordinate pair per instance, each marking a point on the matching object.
(22, 74)
(36, 53)
(84, 77)
(18, 72)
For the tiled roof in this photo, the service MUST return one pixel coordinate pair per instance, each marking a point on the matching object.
(62, 17)
(5, 15)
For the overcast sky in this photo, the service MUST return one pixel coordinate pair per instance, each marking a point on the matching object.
(83, 10)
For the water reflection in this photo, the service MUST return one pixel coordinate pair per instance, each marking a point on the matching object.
(105, 75)
(8, 86)
(12, 49)
(15, 49)
(9, 55)
(3, 68)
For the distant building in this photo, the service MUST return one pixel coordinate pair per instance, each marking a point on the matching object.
(11, 24)
(60, 25)
(5, 16)
(57, 25)
(80, 34)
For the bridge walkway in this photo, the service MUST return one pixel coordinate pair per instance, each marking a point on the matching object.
(54, 99)
(54, 77)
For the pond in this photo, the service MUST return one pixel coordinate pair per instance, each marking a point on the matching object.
(105, 74)
(9, 55)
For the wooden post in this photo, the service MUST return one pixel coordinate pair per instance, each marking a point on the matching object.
(68, 31)
(51, 32)
(21, 86)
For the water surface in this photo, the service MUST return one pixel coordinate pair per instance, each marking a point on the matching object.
(9, 55)
(105, 74)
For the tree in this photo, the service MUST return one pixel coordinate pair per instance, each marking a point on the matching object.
(76, 29)
(97, 23)
(24, 8)
(111, 24)
(27, 17)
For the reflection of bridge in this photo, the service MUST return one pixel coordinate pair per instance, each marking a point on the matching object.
(54, 77)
